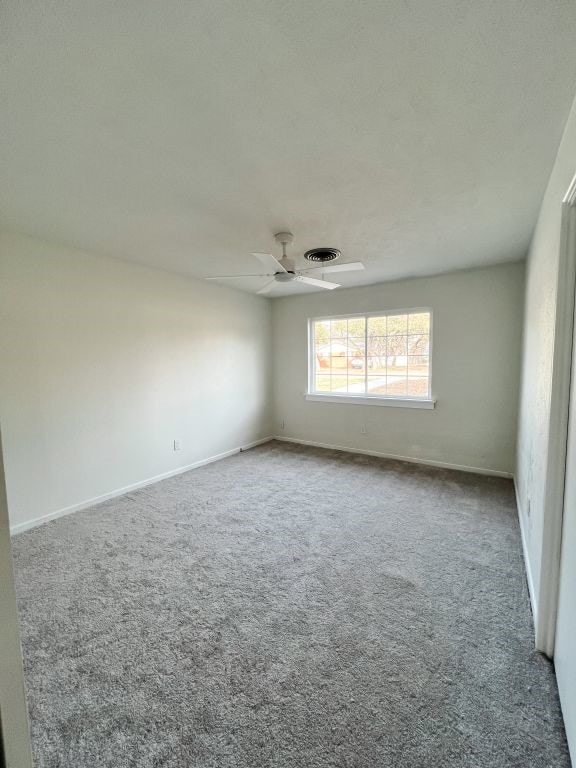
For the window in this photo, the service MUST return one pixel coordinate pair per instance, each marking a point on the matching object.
(384, 356)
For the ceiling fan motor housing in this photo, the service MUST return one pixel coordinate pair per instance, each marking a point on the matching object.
(284, 277)
(322, 255)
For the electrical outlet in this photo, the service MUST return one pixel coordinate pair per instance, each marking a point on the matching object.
(177, 445)
(363, 430)
(282, 424)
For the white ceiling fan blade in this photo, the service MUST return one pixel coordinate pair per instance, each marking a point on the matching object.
(238, 277)
(269, 261)
(348, 266)
(268, 287)
(317, 283)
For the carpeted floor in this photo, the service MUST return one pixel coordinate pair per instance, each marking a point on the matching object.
(288, 607)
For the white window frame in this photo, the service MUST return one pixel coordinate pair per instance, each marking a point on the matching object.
(398, 401)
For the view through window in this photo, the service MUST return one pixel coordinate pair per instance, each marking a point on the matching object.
(384, 355)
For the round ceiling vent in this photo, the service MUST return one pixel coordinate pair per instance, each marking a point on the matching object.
(322, 255)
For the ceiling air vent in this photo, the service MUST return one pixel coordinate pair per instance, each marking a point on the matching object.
(322, 255)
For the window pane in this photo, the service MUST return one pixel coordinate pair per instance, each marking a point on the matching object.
(339, 383)
(397, 324)
(376, 346)
(397, 366)
(377, 326)
(397, 346)
(376, 385)
(357, 326)
(377, 365)
(396, 385)
(418, 344)
(419, 322)
(356, 347)
(355, 384)
(356, 363)
(339, 347)
(339, 328)
(322, 357)
(338, 355)
(417, 387)
(322, 383)
(418, 365)
(321, 332)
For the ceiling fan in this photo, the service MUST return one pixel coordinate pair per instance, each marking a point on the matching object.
(284, 270)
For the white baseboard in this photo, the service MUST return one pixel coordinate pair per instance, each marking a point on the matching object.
(412, 459)
(527, 565)
(20, 527)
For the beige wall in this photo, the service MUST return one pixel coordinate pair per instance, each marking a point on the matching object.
(477, 317)
(539, 324)
(105, 363)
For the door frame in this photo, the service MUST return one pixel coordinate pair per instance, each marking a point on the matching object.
(15, 737)
(558, 427)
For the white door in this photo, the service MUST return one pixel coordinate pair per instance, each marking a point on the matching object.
(565, 647)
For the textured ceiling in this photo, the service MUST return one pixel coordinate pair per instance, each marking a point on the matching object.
(415, 136)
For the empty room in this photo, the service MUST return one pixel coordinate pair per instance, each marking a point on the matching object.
(288, 452)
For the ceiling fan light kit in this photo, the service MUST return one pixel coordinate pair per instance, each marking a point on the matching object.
(284, 270)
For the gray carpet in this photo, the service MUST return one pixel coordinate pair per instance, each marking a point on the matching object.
(287, 607)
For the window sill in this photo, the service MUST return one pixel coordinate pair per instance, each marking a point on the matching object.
(395, 402)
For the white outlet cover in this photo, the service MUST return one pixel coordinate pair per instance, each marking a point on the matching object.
(177, 445)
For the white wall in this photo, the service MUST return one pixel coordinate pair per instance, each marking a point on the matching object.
(477, 318)
(539, 323)
(104, 364)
